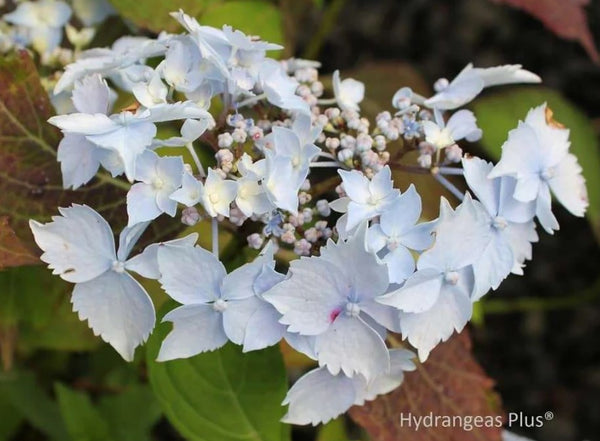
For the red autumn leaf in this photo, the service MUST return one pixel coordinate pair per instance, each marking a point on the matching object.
(450, 383)
(566, 18)
(12, 251)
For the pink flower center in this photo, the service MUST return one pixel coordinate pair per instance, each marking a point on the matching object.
(334, 314)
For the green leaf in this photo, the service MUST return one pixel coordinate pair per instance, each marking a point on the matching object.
(334, 430)
(36, 303)
(83, 421)
(254, 17)
(500, 112)
(131, 414)
(224, 395)
(28, 398)
(154, 14)
(11, 418)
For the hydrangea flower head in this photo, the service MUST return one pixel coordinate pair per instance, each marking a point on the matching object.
(510, 222)
(366, 198)
(79, 246)
(43, 21)
(436, 300)
(349, 93)
(537, 155)
(471, 81)
(319, 396)
(398, 232)
(333, 296)
(461, 124)
(216, 306)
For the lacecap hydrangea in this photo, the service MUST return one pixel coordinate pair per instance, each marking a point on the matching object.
(367, 265)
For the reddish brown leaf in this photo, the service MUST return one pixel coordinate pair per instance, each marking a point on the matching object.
(30, 178)
(450, 383)
(566, 18)
(12, 251)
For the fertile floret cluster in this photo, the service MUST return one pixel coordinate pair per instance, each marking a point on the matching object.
(370, 266)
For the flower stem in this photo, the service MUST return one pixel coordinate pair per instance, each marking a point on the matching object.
(215, 236)
(324, 164)
(252, 100)
(451, 171)
(196, 159)
(449, 186)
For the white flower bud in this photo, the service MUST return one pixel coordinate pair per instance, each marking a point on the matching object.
(288, 237)
(402, 98)
(312, 235)
(397, 123)
(305, 185)
(303, 90)
(224, 155)
(311, 100)
(332, 143)
(345, 155)
(236, 217)
(349, 115)
(353, 123)
(304, 197)
(190, 216)
(322, 120)
(348, 142)
(255, 133)
(234, 119)
(425, 161)
(383, 125)
(255, 241)
(364, 142)
(426, 148)
(306, 75)
(425, 115)
(383, 116)
(453, 153)
(384, 158)
(440, 85)
(321, 225)
(239, 135)
(302, 247)
(332, 113)
(380, 143)
(369, 158)
(308, 214)
(225, 140)
(317, 88)
(392, 133)
(323, 208)
(363, 126)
